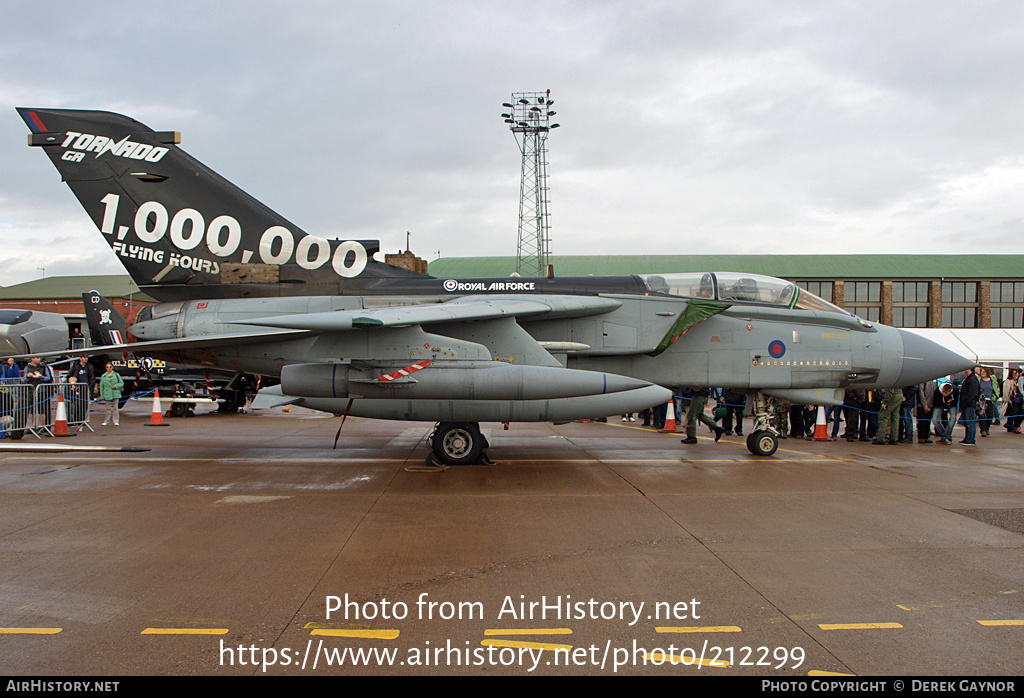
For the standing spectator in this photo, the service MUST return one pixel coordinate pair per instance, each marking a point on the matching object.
(946, 401)
(990, 398)
(782, 420)
(111, 385)
(37, 373)
(646, 414)
(797, 425)
(854, 403)
(84, 372)
(907, 414)
(76, 396)
(1014, 402)
(735, 404)
(10, 373)
(925, 408)
(970, 393)
(834, 413)
(874, 407)
(889, 416)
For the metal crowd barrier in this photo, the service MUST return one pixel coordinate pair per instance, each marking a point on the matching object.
(33, 409)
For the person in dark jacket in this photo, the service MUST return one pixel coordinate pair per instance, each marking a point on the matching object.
(854, 402)
(874, 407)
(37, 373)
(907, 414)
(735, 404)
(84, 372)
(947, 398)
(970, 391)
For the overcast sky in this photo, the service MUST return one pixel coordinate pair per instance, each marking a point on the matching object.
(703, 127)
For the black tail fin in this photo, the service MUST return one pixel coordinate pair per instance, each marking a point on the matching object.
(106, 325)
(179, 228)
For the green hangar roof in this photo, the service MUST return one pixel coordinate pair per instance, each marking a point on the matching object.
(786, 266)
(56, 287)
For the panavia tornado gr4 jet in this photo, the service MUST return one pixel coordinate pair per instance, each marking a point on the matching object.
(507, 351)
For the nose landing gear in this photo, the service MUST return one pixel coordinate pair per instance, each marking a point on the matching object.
(763, 439)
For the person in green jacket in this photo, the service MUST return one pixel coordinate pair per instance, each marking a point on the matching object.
(111, 385)
(889, 417)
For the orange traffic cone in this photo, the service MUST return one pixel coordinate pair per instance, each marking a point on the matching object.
(670, 417)
(156, 419)
(820, 427)
(60, 427)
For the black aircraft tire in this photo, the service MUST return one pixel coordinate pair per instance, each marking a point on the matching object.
(457, 443)
(750, 440)
(179, 409)
(764, 443)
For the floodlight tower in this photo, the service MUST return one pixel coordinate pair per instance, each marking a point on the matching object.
(528, 116)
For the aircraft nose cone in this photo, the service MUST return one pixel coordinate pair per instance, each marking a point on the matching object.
(619, 384)
(924, 360)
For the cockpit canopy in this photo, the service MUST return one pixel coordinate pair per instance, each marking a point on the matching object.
(734, 287)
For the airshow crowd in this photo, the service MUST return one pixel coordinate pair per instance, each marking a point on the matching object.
(78, 385)
(976, 400)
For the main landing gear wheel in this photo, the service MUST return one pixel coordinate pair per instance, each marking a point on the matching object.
(457, 443)
(763, 443)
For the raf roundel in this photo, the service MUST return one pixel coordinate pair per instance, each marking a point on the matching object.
(776, 349)
(450, 285)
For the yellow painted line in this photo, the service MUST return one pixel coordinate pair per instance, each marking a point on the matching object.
(699, 629)
(724, 441)
(858, 626)
(550, 460)
(185, 631)
(822, 456)
(1001, 622)
(643, 461)
(515, 644)
(205, 459)
(650, 429)
(267, 459)
(529, 631)
(30, 631)
(675, 659)
(816, 672)
(673, 461)
(756, 459)
(370, 634)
